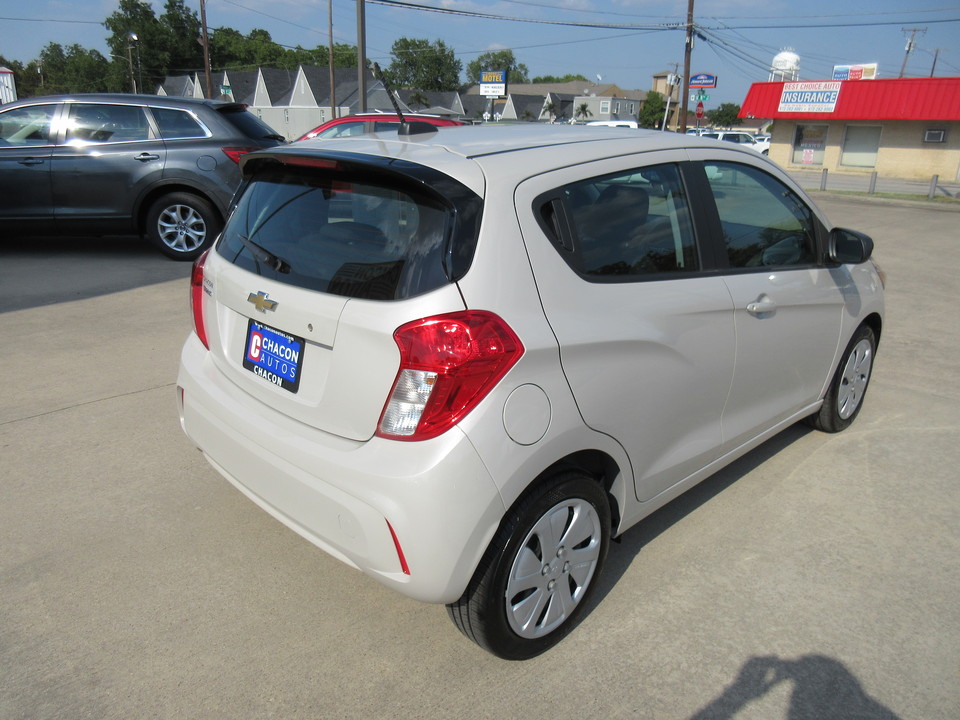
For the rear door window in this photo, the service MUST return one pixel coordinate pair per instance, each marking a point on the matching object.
(635, 223)
(349, 237)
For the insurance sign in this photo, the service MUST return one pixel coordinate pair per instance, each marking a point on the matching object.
(809, 97)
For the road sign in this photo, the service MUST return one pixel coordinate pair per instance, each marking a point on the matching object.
(699, 110)
(703, 80)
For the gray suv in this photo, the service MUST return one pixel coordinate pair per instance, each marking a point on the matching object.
(106, 164)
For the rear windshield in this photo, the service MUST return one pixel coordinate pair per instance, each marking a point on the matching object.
(338, 235)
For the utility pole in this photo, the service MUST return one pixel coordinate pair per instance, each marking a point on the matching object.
(205, 41)
(361, 57)
(333, 75)
(687, 50)
(909, 49)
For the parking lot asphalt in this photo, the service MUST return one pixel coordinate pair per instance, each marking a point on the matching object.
(817, 577)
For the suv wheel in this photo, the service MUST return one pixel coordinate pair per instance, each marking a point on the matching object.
(539, 569)
(182, 225)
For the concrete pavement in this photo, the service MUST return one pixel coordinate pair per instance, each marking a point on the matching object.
(817, 577)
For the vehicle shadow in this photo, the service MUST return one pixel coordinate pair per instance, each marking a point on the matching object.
(40, 271)
(633, 540)
(822, 688)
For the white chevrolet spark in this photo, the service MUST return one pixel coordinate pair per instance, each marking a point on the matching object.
(462, 360)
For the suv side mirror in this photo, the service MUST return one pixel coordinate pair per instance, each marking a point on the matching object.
(849, 246)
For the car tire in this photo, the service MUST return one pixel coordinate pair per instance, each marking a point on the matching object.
(844, 397)
(538, 572)
(182, 225)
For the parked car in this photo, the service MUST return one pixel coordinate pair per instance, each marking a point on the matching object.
(371, 122)
(124, 164)
(763, 142)
(614, 123)
(739, 137)
(464, 362)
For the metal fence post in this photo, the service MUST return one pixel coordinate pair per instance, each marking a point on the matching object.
(823, 180)
(933, 187)
(873, 182)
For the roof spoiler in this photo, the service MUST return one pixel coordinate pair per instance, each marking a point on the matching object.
(406, 128)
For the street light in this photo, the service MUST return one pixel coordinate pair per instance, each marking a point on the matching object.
(132, 38)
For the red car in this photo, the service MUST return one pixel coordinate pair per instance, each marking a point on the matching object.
(370, 122)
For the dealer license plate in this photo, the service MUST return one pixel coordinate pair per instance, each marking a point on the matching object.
(274, 355)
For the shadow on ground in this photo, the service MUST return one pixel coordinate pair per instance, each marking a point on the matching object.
(44, 271)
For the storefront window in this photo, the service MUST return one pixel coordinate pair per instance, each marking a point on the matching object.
(860, 146)
(809, 143)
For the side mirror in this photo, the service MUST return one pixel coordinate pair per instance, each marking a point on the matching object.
(849, 247)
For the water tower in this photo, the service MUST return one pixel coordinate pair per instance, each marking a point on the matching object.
(785, 66)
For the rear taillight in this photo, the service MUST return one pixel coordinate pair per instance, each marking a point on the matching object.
(196, 298)
(448, 364)
(234, 153)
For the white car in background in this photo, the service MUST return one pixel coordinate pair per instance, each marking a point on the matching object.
(741, 138)
(464, 361)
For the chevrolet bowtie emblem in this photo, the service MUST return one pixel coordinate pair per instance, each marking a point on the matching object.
(262, 302)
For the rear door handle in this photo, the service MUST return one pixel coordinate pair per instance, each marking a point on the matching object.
(763, 306)
(30, 161)
(145, 157)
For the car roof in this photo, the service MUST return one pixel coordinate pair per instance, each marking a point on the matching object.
(477, 154)
(123, 98)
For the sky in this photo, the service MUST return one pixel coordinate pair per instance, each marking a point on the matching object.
(624, 42)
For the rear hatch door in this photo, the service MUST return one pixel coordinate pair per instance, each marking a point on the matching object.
(315, 270)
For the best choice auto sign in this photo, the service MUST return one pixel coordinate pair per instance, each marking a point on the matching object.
(809, 97)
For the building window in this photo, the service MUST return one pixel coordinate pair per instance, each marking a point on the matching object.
(809, 143)
(934, 135)
(604, 107)
(860, 146)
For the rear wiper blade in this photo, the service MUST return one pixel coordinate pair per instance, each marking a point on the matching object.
(261, 254)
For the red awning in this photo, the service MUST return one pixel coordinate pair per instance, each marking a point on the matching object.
(931, 99)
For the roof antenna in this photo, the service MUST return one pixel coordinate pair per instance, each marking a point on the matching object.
(406, 128)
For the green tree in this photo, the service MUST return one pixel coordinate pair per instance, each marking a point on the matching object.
(546, 79)
(426, 66)
(725, 115)
(651, 111)
(180, 32)
(583, 112)
(231, 49)
(343, 55)
(146, 52)
(418, 100)
(517, 73)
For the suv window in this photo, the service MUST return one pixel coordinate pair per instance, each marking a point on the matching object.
(347, 237)
(764, 222)
(90, 123)
(629, 224)
(26, 125)
(247, 123)
(175, 123)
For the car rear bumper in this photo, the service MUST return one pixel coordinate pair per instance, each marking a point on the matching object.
(346, 497)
